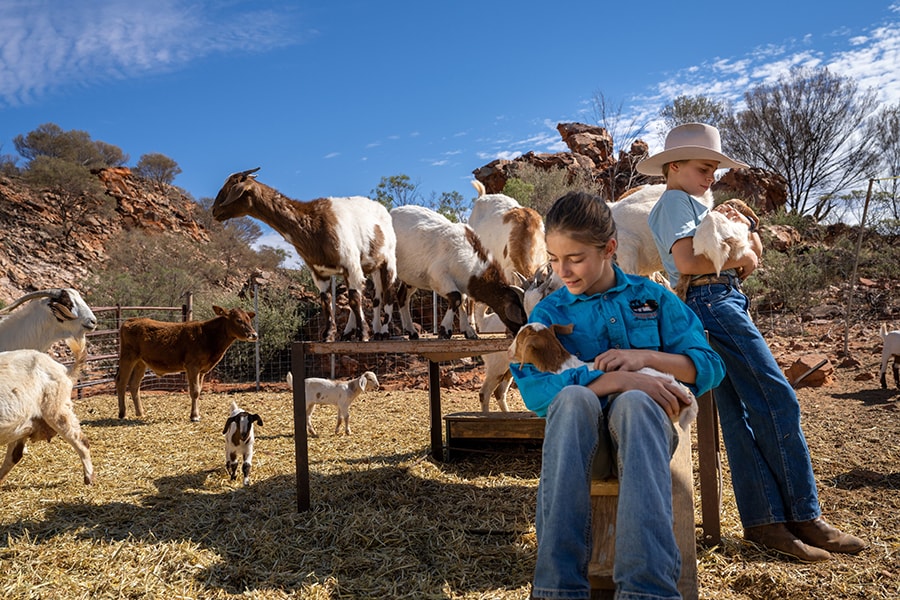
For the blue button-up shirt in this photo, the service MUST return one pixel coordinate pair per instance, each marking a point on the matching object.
(635, 313)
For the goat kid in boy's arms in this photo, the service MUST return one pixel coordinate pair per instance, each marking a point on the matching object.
(537, 344)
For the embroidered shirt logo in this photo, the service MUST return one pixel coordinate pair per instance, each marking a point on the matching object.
(644, 309)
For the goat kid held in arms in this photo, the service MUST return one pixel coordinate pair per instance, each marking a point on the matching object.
(758, 410)
(607, 415)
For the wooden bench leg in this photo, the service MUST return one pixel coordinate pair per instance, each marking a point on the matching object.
(709, 457)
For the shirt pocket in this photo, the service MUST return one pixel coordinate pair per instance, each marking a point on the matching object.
(644, 335)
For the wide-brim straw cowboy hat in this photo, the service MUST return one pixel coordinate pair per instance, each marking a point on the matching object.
(696, 141)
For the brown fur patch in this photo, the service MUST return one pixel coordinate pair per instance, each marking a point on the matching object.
(526, 231)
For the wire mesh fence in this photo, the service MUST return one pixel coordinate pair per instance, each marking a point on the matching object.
(244, 365)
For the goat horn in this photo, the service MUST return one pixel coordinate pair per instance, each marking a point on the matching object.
(32, 296)
(249, 171)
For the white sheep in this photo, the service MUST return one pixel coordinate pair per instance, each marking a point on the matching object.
(239, 438)
(449, 258)
(339, 393)
(36, 404)
(636, 252)
(890, 351)
(60, 314)
(537, 344)
(352, 237)
(719, 239)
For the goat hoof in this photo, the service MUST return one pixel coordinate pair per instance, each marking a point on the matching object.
(195, 419)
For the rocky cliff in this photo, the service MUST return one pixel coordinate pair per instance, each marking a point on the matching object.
(35, 255)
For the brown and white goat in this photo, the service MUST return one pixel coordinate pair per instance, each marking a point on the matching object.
(239, 438)
(449, 258)
(36, 404)
(719, 239)
(193, 347)
(352, 237)
(537, 344)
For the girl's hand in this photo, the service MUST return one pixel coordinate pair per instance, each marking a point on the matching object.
(670, 397)
(621, 360)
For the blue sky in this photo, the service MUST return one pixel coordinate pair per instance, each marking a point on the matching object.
(328, 97)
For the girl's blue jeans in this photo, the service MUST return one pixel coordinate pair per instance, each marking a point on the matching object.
(771, 472)
(636, 435)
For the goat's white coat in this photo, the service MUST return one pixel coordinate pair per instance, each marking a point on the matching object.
(636, 252)
(688, 413)
(339, 393)
(239, 439)
(38, 324)
(36, 403)
(435, 254)
(891, 350)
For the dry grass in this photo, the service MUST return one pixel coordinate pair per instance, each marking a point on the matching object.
(164, 521)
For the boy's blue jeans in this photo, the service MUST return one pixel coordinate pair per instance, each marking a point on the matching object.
(771, 471)
(638, 435)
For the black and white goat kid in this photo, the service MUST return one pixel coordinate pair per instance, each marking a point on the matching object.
(239, 438)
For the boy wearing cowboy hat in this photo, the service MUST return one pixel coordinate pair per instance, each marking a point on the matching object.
(759, 413)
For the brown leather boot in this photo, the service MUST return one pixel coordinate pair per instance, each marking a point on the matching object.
(817, 532)
(776, 536)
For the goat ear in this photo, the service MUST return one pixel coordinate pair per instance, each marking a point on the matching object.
(228, 424)
(255, 417)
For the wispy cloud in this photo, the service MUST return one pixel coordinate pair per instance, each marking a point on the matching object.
(47, 44)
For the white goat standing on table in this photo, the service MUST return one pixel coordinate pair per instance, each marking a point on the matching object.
(449, 258)
(36, 404)
(60, 314)
(890, 351)
(339, 393)
(239, 438)
(537, 344)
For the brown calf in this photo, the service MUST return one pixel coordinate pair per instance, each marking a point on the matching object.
(194, 348)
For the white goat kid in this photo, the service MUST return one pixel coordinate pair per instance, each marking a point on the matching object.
(60, 314)
(449, 258)
(36, 404)
(719, 239)
(339, 393)
(891, 351)
(538, 345)
(352, 237)
(239, 438)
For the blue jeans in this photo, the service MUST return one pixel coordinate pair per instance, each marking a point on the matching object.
(635, 433)
(771, 472)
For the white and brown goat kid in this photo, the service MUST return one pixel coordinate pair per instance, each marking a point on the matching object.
(537, 344)
(239, 438)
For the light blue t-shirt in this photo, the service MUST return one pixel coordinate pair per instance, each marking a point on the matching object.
(635, 313)
(675, 216)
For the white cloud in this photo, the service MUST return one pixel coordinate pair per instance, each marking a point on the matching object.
(46, 44)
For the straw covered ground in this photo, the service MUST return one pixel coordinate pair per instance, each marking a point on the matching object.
(164, 521)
